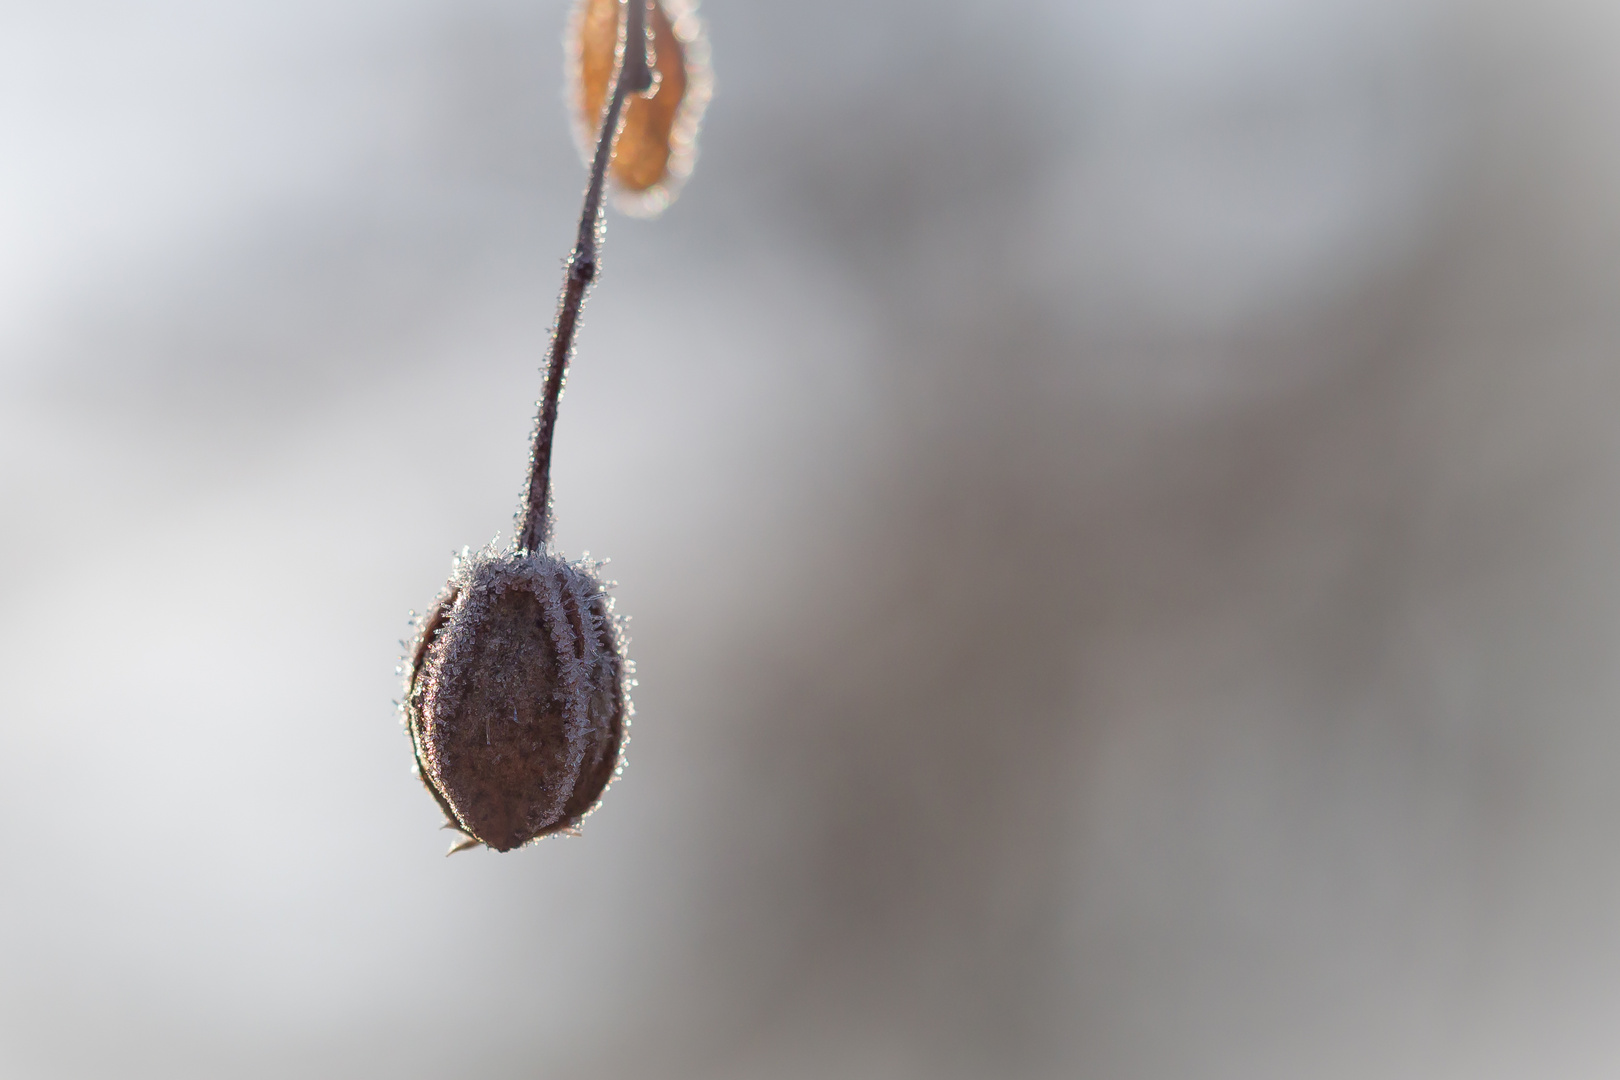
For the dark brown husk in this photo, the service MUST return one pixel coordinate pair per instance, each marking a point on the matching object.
(517, 696)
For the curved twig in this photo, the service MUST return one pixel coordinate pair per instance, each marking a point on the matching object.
(634, 76)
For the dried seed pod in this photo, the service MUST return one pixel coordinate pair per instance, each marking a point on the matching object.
(657, 144)
(517, 689)
(517, 696)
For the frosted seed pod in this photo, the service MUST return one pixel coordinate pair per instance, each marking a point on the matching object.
(657, 144)
(517, 688)
(517, 698)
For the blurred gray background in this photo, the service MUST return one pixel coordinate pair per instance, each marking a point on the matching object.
(1119, 503)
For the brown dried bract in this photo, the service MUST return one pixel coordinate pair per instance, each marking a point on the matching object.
(657, 144)
(517, 697)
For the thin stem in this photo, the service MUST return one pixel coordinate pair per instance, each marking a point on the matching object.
(634, 76)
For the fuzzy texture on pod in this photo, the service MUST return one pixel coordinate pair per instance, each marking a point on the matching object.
(517, 696)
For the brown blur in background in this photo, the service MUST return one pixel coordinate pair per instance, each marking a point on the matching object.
(1119, 502)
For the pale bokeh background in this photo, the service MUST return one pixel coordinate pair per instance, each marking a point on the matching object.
(1119, 502)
